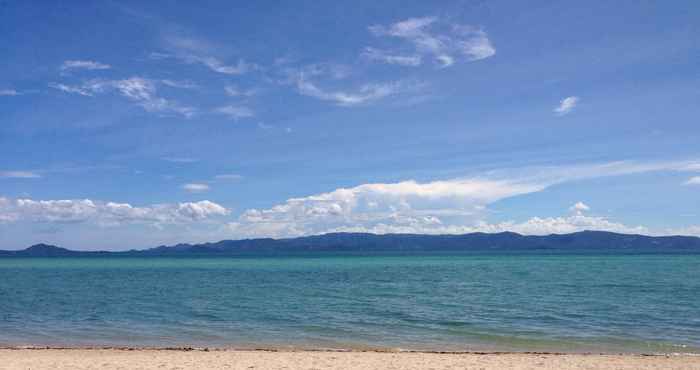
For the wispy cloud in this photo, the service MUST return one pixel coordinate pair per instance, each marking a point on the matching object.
(184, 84)
(20, 174)
(195, 188)
(366, 93)
(143, 92)
(235, 91)
(191, 50)
(83, 64)
(84, 89)
(695, 180)
(216, 65)
(430, 36)
(235, 112)
(139, 90)
(566, 105)
(9, 92)
(383, 56)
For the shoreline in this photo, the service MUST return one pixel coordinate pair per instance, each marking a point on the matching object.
(340, 350)
(39, 358)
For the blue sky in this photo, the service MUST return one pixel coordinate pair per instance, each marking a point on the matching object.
(132, 124)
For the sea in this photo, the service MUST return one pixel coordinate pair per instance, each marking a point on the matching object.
(603, 303)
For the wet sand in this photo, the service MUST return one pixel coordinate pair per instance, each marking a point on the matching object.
(59, 359)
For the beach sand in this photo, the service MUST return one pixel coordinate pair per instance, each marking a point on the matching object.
(58, 359)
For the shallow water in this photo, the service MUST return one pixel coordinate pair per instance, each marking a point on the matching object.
(605, 303)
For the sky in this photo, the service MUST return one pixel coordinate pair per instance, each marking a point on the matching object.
(131, 124)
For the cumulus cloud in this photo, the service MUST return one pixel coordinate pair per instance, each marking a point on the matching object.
(372, 206)
(579, 208)
(431, 36)
(688, 230)
(358, 214)
(195, 188)
(84, 64)
(19, 174)
(107, 213)
(695, 180)
(235, 112)
(561, 225)
(451, 206)
(139, 90)
(577, 221)
(566, 105)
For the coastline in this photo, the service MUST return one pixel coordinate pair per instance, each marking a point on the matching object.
(310, 349)
(206, 358)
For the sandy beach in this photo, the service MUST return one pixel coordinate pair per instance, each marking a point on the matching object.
(58, 359)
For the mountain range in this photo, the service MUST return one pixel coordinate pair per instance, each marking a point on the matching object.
(362, 243)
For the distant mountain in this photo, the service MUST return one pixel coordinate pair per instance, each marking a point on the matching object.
(358, 243)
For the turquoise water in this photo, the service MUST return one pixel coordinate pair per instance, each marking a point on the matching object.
(499, 302)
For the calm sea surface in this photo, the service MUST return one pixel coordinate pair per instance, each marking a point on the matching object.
(610, 303)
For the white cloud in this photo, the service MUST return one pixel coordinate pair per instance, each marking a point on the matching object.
(365, 94)
(139, 90)
(405, 204)
(380, 55)
(413, 30)
(179, 84)
(332, 71)
(213, 63)
(305, 80)
(474, 44)
(235, 112)
(217, 65)
(445, 60)
(193, 50)
(566, 105)
(107, 213)
(9, 92)
(453, 206)
(561, 225)
(195, 188)
(20, 174)
(450, 206)
(688, 230)
(234, 91)
(81, 90)
(579, 208)
(693, 181)
(430, 36)
(143, 92)
(84, 64)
